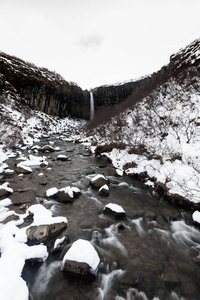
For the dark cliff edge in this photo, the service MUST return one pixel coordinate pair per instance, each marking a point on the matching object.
(41, 89)
(182, 62)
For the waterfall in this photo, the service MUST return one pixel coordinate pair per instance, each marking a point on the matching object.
(91, 105)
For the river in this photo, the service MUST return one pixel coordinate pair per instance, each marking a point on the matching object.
(151, 254)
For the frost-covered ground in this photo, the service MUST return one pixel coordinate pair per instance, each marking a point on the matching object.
(162, 132)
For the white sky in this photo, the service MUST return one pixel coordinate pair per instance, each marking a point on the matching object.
(96, 42)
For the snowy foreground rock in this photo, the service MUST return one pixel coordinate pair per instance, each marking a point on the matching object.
(66, 194)
(81, 260)
(115, 210)
(14, 253)
(44, 226)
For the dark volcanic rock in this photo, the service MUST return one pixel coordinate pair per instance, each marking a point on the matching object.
(79, 269)
(115, 210)
(43, 233)
(98, 181)
(43, 90)
(104, 191)
(81, 260)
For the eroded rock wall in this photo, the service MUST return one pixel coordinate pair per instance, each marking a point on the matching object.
(43, 90)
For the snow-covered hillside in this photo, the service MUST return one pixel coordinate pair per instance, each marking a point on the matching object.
(21, 126)
(161, 134)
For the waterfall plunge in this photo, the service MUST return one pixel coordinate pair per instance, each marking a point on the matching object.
(91, 105)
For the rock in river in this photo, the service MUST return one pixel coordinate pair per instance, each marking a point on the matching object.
(98, 181)
(43, 233)
(104, 190)
(81, 260)
(115, 210)
(44, 226)
(66, 194)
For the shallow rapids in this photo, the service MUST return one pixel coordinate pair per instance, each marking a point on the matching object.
(154, 253)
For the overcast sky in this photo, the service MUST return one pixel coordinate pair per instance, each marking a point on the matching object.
(96, 42)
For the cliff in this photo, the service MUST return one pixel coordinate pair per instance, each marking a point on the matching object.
(185, 60)
(41, 89)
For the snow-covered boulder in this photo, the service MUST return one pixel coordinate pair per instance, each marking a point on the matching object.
(81, 260)
(115, 210)
(104, 190)
(66, 194)
(196, 217)
(98, 181)
(8, 172)
(59, 244)
(62, 157)
(47, 148)
(5, 190)
(119, 172)
(22, 169)
(44, 226)
(19, 160)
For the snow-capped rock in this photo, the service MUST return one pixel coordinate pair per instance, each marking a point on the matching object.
(98, 181)
(66, 194)
(115, 210)
(5, 190)
(81, 260)
(104, 190)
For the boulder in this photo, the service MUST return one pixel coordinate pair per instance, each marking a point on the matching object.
(119, 172)
(196, 217)
(98, 181)
(66, 194)
(104, 190)
(114, 209)
(62, 157)
(81, 260)
(22, 169)
(47, 148)
(44, 233)
(5, 190)
(19, 160)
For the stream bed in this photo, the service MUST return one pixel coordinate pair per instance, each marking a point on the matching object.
(153, 253)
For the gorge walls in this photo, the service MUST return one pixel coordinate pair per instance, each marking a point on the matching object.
(182, 62)
(43, 90)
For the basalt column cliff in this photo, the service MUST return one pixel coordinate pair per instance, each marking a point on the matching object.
(41, 89)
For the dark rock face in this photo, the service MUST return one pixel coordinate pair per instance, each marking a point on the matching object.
(79, 269)
(43, 233)
(43, 90)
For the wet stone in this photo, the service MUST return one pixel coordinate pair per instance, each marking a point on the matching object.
(43, 233)
(98, 181)
(79, 269)
(170, 278)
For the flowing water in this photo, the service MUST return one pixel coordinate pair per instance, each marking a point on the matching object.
(151, 254)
